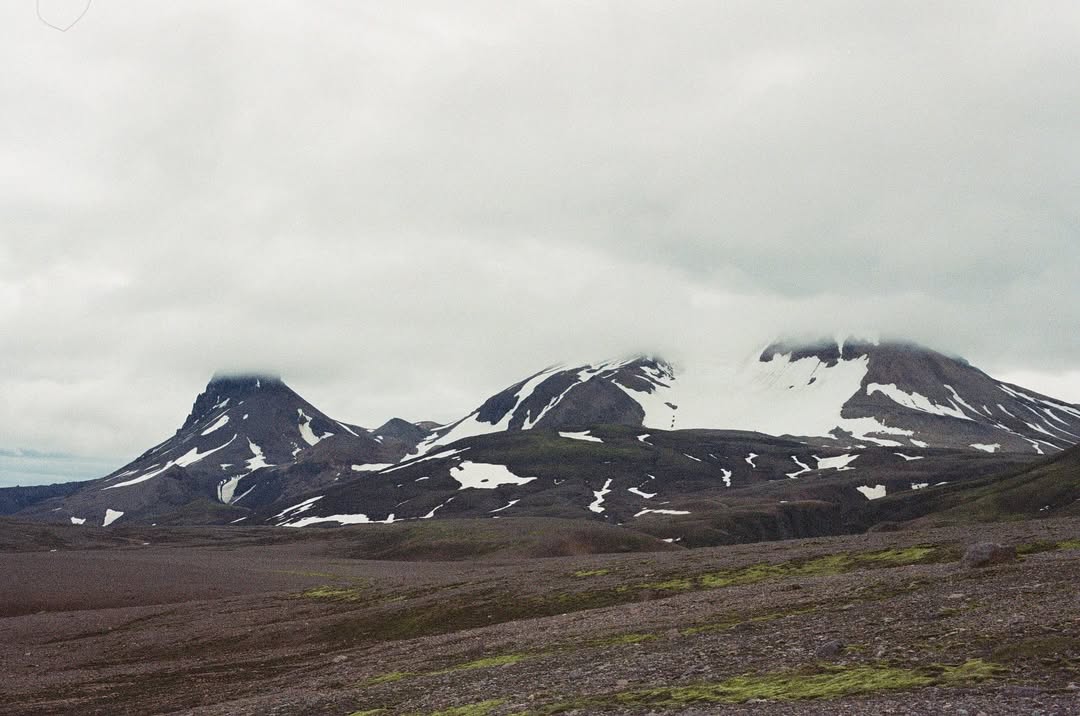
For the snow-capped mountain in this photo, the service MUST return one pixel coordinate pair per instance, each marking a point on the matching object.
(242, 433)
(627, 392)
(841, 423)
(853, 395)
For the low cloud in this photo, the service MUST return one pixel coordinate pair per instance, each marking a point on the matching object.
(403, 210)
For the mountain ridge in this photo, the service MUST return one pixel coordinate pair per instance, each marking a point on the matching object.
(823, 423)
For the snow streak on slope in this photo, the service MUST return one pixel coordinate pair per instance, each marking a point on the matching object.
(226, 488)
(597, 505)
(306, 432)
(914, 401)
(189, 458)
(660, 410)
(581, 436)
(643, 372)
(219, 423)
(471, 425)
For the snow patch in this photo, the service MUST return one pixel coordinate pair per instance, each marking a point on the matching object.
(750, 459)
(839, 463)
(872, 493)
(191, 457)
(372, 466)
(111, 516)
(341, 519)
(346, 428)
(505, 507)
(597, 505)
(804, 468)
(306, 432)
(662, 512)
(908, 458)
(485, 476)
(987, 448)
(299, 506)
(920, 485)
(915, 401)
(581, 436)
(639, 493)
(431, 514)
(257, 459)
(218, 424)
(78, 520)
(436, 456)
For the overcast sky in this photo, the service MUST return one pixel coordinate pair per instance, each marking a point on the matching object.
(404, 207)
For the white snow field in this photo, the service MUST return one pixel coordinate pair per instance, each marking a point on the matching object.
(581, 436)
(485, 476)
(875, 492)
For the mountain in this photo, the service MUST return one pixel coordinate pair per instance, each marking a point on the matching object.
(696, 487)
(1049, 488)
(249, 439)
(627, 392)
(801, 440)
(852, 394)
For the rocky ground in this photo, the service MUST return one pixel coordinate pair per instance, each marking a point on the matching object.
(278, 622)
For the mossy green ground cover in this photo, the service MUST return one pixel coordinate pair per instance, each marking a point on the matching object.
(828, 683)
(820, 566)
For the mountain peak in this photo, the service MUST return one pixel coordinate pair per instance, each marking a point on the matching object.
(831, 351)
(224, 388)
(230, 380)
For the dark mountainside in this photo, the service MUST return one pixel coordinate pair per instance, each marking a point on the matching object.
(229, 453)
(879, 433)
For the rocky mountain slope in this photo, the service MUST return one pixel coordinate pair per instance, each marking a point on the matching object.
(242, 434)
(802, 440)
(855, 394)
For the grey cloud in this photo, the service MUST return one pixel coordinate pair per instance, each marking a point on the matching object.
(402, 209)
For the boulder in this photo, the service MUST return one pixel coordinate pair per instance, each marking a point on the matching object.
(985, 554)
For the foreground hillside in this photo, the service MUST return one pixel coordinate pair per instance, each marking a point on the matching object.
(257, 621)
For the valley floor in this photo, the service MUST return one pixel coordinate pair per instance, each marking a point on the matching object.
(283, 622)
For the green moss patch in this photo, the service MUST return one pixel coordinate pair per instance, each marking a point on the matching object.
(1047, 647)
(790, 686)
(333, 593)
(820, 566)
(486, 663)
(622, 639)
(1047, 546)
(726, 624)
(482, 708)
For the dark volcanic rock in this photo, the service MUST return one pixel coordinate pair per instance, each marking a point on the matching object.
(986, 554)
(234, 452)
(830, 649)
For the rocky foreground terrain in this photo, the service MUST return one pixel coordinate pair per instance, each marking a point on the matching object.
(499, 617)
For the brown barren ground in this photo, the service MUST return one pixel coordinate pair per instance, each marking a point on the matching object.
(284, 622)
